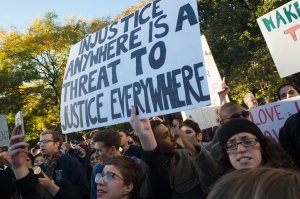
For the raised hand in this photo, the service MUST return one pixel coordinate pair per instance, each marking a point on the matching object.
(224, 91)
(18, 149)
(143, 130)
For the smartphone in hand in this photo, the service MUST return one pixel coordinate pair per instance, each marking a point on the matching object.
(20, 122)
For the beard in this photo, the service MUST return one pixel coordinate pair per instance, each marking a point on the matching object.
(168, 149)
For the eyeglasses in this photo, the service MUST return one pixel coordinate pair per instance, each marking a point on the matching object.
(106, 177)
(44, 142)
(246, 143)
(242, 114)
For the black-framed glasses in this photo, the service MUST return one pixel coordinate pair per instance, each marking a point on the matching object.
(45, 141)
(107, 177)
(245, 142)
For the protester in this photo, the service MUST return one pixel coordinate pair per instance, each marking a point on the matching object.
(250, 101)
(67, 173)
(39, 160)
(7, 189)
(259, 183)
(244, 146)
(128, 149)
(26, 183)
(286, 91)
(107, 143)
(227, 112)
(121, 179)
(289, 137)
(192, 132)
(30, 160)
(91, 160)
(176, 122)
(174, 173)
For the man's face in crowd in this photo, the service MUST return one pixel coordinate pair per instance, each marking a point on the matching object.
(47, 145)
(175, 122)
(164, 139)
(103, 152)
(251, 102)
(124, 138)
(287, 92)
(234, 111)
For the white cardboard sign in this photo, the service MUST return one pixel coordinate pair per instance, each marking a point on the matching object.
(4, 134)
(151, 58)
(281, 30)
(270, 118)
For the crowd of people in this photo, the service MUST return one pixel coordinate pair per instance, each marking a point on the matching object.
(159, 160)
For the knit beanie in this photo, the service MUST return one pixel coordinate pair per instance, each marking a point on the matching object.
(235, 126)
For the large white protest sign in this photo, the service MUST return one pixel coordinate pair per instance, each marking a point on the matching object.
(4, 134)
(281, 30)
(151, 58)
(271, 117)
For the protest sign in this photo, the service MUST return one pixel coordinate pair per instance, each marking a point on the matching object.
(4, 135)
(206, 117)
(271, 117)
(151, 58)
(281, 30)
(212, 73)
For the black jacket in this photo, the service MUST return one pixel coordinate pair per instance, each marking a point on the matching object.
(289, 137)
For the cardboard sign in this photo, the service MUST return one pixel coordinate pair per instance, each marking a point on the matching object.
(4, 134)
(281, 30)
(206, 117)
(271, 117)
(151, 58)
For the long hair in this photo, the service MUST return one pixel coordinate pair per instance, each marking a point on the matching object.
(272, 155)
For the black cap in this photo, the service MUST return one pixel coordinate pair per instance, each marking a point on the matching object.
(235, 126)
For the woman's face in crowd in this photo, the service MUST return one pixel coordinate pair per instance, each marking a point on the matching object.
(39, 160)
(94, 159)
(112, 185)
(189, 133)
(244, 157)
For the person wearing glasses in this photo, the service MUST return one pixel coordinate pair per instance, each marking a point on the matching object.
(63, 176)
(121, 178)
(250, 101)
(244, 146)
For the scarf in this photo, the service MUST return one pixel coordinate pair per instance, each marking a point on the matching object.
(51, 163)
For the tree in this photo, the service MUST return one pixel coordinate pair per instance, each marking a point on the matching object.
(32, 67)
(238, 46)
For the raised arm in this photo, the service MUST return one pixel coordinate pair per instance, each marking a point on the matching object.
(143, 130)
(224, 91)
(18, 149)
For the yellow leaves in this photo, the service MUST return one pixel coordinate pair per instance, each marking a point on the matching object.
(127, 11)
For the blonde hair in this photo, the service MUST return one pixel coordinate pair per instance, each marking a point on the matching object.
(258, 183)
